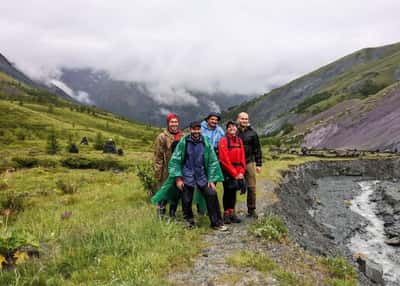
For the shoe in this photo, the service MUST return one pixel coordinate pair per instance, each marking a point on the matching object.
(161, 211)
(227, 218)
(234, 218)
(172, 211)
(220, 228)
(190, 224)
(252, 214)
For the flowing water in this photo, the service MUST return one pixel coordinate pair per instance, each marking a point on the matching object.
(370, 241)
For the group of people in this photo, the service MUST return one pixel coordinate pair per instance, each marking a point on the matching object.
(188, 167)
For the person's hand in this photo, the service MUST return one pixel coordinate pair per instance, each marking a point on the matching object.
(239, 177)
(258, 169)
(179, 185)
(211, 185)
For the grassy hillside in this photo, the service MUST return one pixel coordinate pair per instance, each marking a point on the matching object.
(356, 76)
(91, 226)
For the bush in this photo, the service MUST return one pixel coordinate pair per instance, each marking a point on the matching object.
(26, 162)
(145, 173)
(52, 143)
(300, 108)
(77, 162)
(32, 162)
(72, 148)
(66, 188)
(271, 227)
(98, 141)
(12, 201)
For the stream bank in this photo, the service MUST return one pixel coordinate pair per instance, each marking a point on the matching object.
(322, 204)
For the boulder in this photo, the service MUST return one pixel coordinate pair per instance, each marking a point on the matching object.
(372, 270)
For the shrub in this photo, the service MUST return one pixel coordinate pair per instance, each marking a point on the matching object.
(98, 141)
(300, 108)
(271, 227)
(52, 143)
(31, 162)
(108, 163)
(66, 188)
(72, 148)
(12, 201)
(26, 162)
(145, 173)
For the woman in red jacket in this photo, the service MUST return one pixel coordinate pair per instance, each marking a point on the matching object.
(233, 162)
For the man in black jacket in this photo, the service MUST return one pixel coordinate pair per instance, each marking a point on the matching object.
(253, 155)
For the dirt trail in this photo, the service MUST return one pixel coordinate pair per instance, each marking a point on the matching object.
(210, 266)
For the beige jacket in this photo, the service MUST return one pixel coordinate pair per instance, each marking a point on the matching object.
(162, 155)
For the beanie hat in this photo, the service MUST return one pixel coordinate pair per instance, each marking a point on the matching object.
(171, 116)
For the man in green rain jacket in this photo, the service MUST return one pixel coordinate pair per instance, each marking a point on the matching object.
(193, 165)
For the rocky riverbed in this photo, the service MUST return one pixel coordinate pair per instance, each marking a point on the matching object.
(340, 207)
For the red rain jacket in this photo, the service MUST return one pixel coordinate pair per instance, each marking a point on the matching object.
(231, 155)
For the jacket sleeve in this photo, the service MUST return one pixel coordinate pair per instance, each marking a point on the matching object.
(214, 172)
(224, 158)
(159, 151)
(176, 161)
(242, 157)
(257, 151)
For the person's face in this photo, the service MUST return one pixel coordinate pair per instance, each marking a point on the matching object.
(243, 120)
(195, 132)
(212, 121)
(232, 129)
(173, 124)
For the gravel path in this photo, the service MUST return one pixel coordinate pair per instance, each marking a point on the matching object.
(210, 267)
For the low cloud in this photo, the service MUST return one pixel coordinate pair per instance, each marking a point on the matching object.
(245, 47)
(80, 95)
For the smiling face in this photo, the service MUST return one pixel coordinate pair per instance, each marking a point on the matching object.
(243, 119)
(212, 122)
(231, 130)
(173, 125)
(195, 132)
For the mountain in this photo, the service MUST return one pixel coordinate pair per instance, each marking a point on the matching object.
(134, 100)
(324, 105)
(11, 70)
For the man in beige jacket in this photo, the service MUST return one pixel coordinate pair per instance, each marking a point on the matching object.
(165, 145)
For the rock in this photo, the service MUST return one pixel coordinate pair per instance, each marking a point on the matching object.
(372, 270)
(84, 141)
(395, 241)
(110, 147)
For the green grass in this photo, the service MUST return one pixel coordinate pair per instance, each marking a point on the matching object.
(270, 227)
(112, 235)
(111, 238)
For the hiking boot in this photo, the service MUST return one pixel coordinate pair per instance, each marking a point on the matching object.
(252, 214)
(172, 211)
(190, 224)
(234, 218)
(227, 218)
(161, 211)
(220, 228)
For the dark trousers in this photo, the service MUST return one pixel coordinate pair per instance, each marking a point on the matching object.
(229, 198)
(214, 211)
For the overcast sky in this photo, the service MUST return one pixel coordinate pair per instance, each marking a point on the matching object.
(231, 46)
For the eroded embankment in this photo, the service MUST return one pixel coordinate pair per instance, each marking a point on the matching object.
(316, 199)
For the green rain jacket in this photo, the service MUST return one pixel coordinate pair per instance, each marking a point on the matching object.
(170, 192)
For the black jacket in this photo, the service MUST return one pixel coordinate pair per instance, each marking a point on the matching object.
(252, 145)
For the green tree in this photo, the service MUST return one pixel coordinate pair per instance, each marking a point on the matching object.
(99, 141)
(52, 143)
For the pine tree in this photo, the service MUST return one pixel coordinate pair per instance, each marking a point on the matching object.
(52, 144)
(99, 141)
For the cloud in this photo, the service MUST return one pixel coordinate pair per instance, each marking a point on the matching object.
(226, 46)
(80, 95)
